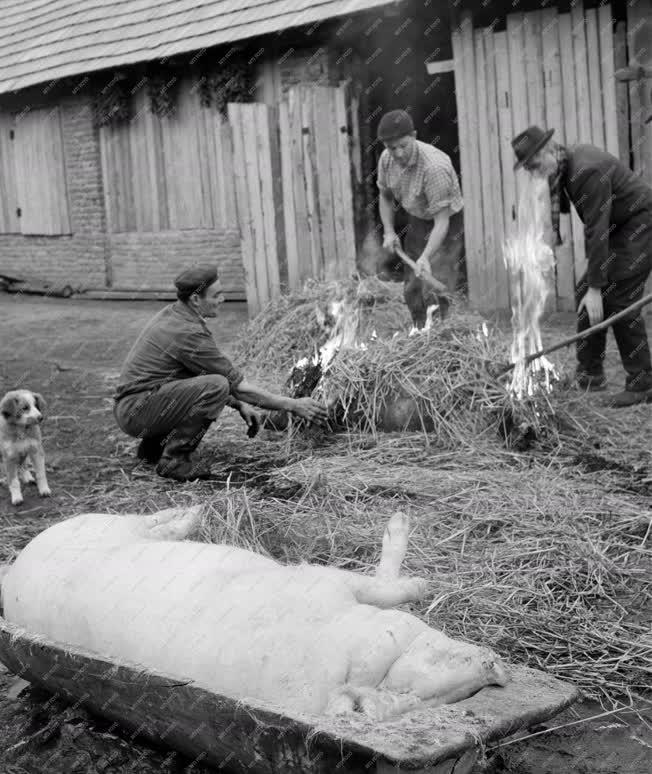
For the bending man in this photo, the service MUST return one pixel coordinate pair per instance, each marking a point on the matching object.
(615, 207)
(421, 179)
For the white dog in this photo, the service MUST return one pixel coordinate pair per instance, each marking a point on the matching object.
(21, 413)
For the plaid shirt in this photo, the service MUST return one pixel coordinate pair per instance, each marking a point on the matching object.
(426, 185)
(176, 344)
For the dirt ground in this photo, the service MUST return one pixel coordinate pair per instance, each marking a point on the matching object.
(71, 352)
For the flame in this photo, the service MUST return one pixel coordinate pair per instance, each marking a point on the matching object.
(530, 261)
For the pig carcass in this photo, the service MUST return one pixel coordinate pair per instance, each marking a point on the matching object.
(305, 638)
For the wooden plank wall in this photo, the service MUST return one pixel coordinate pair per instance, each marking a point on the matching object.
(639, 34)
(317, 167)
(256, 207)
(171, 172)
(41, 173)
(554, 70)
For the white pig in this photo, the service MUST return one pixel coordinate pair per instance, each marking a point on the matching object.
(306, 638)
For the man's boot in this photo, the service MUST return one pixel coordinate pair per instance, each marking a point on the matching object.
(176, 462)
(150, 449)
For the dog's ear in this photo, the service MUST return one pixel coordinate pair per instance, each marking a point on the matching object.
(41, 405)
(9, 406)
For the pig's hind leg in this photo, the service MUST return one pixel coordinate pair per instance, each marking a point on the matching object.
(387, 588)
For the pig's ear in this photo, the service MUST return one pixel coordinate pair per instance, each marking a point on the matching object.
(41, 405)
(9, 406)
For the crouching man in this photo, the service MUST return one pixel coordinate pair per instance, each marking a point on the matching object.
(175, 382)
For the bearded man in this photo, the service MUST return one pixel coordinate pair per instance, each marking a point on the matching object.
(615, 206)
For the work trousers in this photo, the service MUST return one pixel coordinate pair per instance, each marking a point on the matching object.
(445, 265)
(629, 333)
(180, 411)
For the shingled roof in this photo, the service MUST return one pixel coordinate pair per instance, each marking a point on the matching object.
(43, 40)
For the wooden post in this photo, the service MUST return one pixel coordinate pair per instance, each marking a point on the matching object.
(622, 94)
(639, 34)
(565, 274)
(594, 72)
(608, 83)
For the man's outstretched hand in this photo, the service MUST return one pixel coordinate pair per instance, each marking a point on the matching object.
(310, 409)
(251, 419)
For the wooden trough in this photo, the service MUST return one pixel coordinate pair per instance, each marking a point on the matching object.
(241, 737)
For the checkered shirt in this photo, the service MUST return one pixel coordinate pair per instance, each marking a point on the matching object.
(425, 186)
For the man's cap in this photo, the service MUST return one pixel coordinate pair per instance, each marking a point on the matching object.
(529, 142)
(395, 124)
(196, 278)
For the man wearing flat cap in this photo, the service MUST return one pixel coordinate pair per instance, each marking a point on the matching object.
(615, 206)
(421, 180)
(175, 382)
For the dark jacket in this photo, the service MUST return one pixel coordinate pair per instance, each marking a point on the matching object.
(616, 208)
(176, 344)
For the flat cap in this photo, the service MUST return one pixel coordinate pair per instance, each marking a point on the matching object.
(395, 124)
(196, 278)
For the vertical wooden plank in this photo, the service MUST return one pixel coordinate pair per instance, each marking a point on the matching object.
(328, 99)
(227, 161)
(347, 265)
(564, 270)
(212, 162)
(264, 140)
(486, 287)
(472, 196)
(144, 195)
(107, 179)
(244, 218)
(354, 120)
(308, 172)
(622, 94)
(322, 133)
(506, 134)
(464, 142)
(155, 167)
(518, 94)
(639, 33)
(500, 275)
(291, 247)
(533, 69)
(607, 79)
(303, 232)
(255, 202)
(583, 113)
(594, 70)
(582, 85)
(9, 221)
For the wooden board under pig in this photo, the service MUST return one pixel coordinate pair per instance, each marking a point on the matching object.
(240, 737)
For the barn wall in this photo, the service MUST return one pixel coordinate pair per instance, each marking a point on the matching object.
(77, 259)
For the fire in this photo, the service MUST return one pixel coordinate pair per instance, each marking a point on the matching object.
(530, 261)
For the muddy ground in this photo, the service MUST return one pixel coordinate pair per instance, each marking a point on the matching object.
(71, 352)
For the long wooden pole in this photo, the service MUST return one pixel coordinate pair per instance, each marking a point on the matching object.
(583, 335)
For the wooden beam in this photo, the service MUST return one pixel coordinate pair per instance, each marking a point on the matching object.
(633, 73)
(443, 66)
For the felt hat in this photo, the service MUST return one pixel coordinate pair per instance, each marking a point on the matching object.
(529, 142)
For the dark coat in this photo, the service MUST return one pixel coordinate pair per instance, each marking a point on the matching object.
(615, 207)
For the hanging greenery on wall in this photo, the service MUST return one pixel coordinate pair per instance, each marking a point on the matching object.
(113, 102)
(231, 81)
(163, 90)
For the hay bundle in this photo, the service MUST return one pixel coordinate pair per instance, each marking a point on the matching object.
(438, 381)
